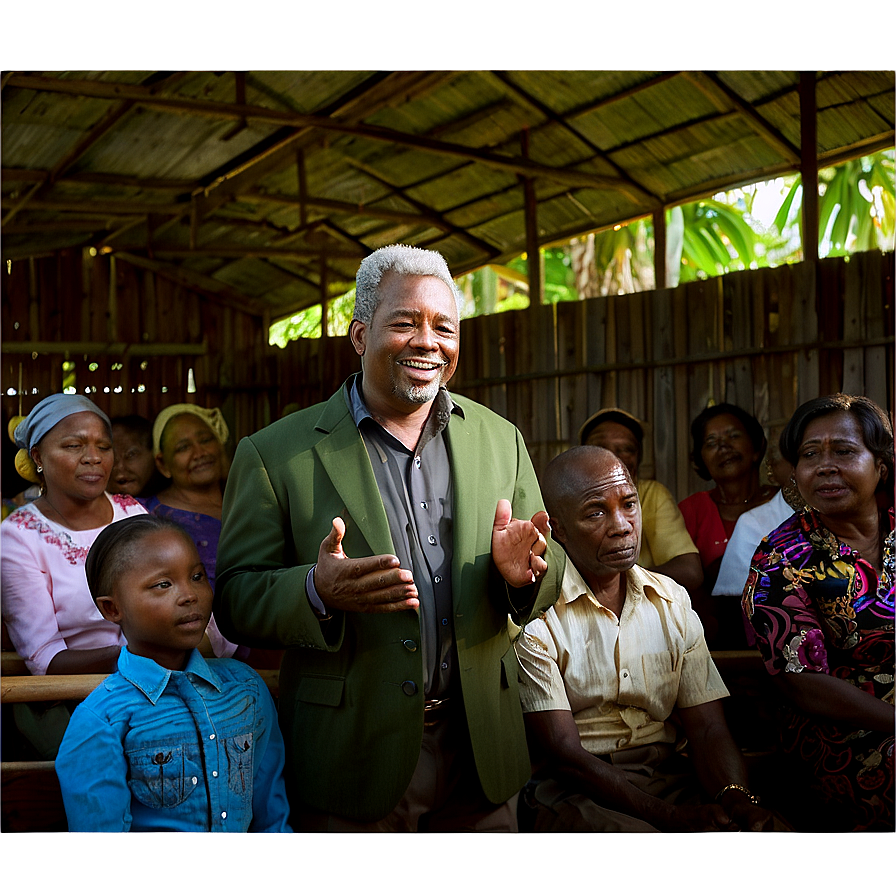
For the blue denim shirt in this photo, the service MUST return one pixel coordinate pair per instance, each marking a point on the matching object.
(156, 750)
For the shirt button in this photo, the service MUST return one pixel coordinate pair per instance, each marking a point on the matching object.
(203, 544)
(431, 539)
(625, 674)
(211, 737)
(214, 774)
(444, 622)
(437, 579)
(195, 780)
(423, 504)
(417, 462)
(410, 645)
(409, 688)
(223, 815)
(444, 666)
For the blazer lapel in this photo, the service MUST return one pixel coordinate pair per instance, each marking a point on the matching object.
(473, 513)
(347, 464)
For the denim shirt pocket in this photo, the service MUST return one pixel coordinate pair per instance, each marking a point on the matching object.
(162, 775)
(240, 751)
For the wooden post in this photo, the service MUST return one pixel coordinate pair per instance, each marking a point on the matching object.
(533, 254)
(809, 165)
(303, 188)
(324, 309)
(659, 248)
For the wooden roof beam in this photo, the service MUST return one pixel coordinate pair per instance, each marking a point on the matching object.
(347, 208)
(232, 111)
(723, 96)
(443, 224)
(560, 122)
(240, 251)
(364, 99)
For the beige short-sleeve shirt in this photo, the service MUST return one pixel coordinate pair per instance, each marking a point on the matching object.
(620, 678)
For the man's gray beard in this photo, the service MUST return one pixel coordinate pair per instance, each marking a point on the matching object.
(418, 394)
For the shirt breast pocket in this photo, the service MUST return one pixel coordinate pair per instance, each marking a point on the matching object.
(660, 678)
(239, 749)
(162, 776)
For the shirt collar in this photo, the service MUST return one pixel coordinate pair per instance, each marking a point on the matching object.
(637, 582)
(443, 406)
(149, 677)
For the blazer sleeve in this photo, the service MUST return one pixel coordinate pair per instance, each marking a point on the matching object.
(533, 600)
(260, 597)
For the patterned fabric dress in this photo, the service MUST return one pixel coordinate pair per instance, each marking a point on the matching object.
(817, 606)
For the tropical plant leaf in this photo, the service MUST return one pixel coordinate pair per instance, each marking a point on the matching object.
(783, 215)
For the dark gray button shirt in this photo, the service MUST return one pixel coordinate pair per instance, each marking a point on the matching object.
(418, 498)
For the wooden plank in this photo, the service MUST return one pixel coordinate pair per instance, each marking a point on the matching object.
(745, 310)
(42, 688)
(806, 320)
(853, 381)
(660, 452)
(680, 484)
(874, 325)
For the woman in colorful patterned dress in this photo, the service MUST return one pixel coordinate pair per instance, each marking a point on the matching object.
(820, 599)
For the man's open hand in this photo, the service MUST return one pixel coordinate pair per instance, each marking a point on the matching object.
(366, 585)
(518, 546)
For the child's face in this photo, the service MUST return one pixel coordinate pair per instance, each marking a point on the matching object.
(163, 600)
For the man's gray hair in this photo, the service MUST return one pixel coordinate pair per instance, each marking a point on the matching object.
(402, 260)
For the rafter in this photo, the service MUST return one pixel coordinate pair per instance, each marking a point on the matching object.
(722, 96)
(232, 111)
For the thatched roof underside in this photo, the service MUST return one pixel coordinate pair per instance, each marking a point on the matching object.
(265, 189)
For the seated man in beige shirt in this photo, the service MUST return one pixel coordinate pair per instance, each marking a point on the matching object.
(611, 671)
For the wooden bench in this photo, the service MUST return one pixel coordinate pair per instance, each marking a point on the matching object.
(51, 688)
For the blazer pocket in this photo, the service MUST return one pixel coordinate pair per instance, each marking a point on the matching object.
(324, 690)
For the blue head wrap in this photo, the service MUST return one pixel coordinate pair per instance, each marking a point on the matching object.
(47, 413)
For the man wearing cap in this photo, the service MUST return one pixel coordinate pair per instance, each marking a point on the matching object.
(609, 672)
(666, 546)
(382, 538)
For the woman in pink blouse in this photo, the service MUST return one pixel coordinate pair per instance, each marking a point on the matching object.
(66, 446)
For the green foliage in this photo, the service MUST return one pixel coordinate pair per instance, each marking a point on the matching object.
(306, 324)
(857, 212)
(856, 209)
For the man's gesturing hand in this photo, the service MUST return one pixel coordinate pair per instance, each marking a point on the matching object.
(518, 546)
(366, 585)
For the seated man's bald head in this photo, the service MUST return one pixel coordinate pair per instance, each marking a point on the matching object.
(565, 476)
(594, 511)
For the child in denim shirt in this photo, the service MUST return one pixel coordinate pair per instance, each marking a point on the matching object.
(171, 741)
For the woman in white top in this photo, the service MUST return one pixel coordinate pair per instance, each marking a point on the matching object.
(51, 618)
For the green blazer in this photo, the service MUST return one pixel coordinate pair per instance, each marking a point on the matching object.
(352, 724)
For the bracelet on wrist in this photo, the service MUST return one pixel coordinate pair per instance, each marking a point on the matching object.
(750, 796)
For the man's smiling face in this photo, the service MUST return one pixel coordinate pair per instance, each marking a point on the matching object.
(410, 347)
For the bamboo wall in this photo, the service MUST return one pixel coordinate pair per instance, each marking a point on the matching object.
(132, 337)
(752, 338)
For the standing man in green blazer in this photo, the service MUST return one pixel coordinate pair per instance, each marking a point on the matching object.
(381, 538)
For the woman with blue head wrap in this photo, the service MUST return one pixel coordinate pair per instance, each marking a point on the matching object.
(65, 444)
